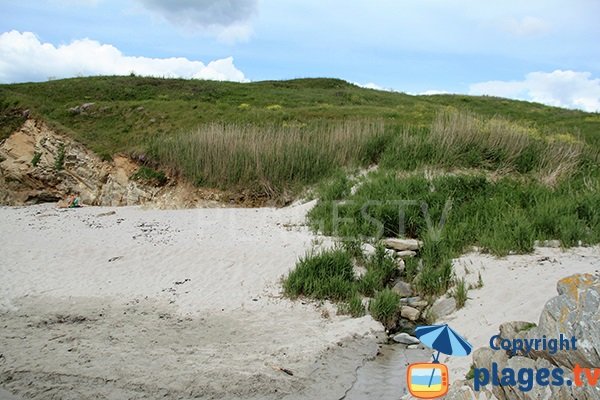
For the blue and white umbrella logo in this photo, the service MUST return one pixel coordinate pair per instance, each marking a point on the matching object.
(443, 339)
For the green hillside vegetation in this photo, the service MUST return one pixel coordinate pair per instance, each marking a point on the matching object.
(498, 173)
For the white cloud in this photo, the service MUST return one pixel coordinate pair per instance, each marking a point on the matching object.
(433, 92)
(228, 20)
(24, 58)
(526, 26)
(371, 85)
(569, 89)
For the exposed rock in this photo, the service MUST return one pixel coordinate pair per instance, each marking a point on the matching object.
(368, 249)
(402, 244)
(82, 108)
(40, 166)
(403, 289)
(509, 330)
(401, 265)
(410, 313)
(443, 306)
(547, 243)
(575, 312)
(405, 338)
(359, 271)
(460, 391)
(406, 254)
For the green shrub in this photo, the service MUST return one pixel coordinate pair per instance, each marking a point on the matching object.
(385, 307)
(59, 160)
(149, 175)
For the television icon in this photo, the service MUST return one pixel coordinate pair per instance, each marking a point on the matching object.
(427, 380)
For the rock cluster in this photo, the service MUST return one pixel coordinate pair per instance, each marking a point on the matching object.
(575, 312)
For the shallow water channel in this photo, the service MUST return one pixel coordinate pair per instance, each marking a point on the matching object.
(384, 377)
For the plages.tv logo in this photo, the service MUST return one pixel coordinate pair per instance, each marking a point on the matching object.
(431, 380)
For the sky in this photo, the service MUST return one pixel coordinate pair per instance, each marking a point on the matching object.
(546, 51)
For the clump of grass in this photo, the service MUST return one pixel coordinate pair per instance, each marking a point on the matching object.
(528, 326)
(470, 373)
(328, 274)
(385, 307)
(354, 307)
(35, 160)
(270, 159)
(59, 161)
(381, 270)
(479, 283)
(150, 175)
(461, 293)
(436, 275)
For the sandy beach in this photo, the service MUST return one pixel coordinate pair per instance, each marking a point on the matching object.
(113, 303)
(131, 303)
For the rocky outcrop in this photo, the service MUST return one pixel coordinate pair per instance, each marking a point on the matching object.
(575, 312)
(38, 165)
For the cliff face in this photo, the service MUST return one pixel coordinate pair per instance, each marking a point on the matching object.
(38, 165)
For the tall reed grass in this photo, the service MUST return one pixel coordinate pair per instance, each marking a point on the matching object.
(269, 159)
(461, 139)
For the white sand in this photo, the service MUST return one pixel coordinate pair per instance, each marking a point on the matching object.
(151, 303)
(515, 289)
(189, 305)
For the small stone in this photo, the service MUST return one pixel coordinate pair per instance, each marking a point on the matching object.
(405, 338)
(443, 306)
(555, 244)
(406, 254)
(419, 304)
(410, 313)
(401, 265)
(402, 244)
(368, 249)
(359, 271)
(403, 289)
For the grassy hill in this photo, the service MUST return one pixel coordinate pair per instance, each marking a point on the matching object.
(148, 116)
(117, 121)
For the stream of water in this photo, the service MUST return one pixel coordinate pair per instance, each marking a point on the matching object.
(384, 378)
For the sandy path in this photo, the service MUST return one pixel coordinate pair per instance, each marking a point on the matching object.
(165, 304)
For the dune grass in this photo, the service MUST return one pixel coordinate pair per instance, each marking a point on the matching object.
(459, 139)
(385, 307)
(324, 275)
(329, 274)
(269, 159)
(469, 181)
